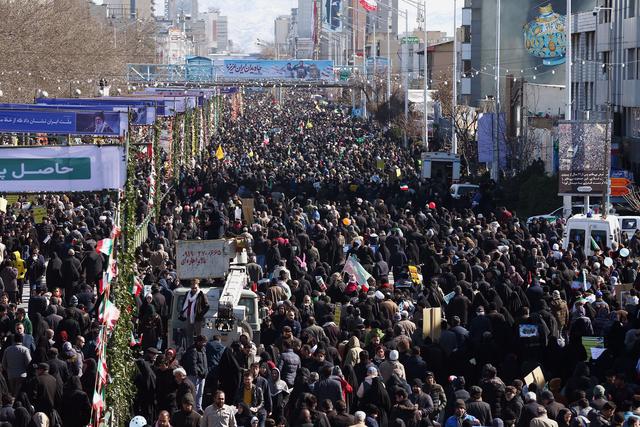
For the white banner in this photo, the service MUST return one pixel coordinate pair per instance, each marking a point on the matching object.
(62, 168)
(202, 259)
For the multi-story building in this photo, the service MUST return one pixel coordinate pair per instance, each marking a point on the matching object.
(173, 46)
(175, 8)
(282, 26)
(129, 9)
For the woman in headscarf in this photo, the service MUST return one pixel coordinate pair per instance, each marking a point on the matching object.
(88, 378)
(170, 358)
(22, 418)
(279, 392)
(243, 415)
(75, 409)
(376, 395)
(150, 325)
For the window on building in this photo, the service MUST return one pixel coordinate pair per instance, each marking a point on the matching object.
(590, 45)
(575, 41)
(605, 14)
(588, 95)
(630, 64)
(630, 8)
(606, 59)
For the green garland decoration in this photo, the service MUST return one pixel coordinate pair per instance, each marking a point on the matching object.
(120, 391)
(157, 160)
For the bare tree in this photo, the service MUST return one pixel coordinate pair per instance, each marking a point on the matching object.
(59, 45)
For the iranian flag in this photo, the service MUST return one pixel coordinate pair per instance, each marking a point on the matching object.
(103, 284)
(355, 269)
(115, 232)
(98, 403)
(103, 370)
(369, 5)
(137, 287)
(108, 313)
(135, 341)
(105, 246)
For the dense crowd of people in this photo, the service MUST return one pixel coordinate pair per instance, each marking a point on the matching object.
(332, 351)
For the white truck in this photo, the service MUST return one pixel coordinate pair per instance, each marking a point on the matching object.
(233, 309)
(591, 232)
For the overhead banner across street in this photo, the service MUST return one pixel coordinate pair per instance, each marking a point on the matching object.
(283, 70)
(62, 169)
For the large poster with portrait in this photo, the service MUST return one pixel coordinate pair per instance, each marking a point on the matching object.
(584, 151)
(103, 123)
(279, 70)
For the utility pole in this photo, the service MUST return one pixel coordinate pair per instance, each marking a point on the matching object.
(454, 103)
(426, 79)
(495, 166)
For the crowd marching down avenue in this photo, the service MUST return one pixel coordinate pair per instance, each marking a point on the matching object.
(370, 297)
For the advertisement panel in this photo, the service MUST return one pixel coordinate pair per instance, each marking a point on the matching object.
(165, 105)
(486, 132)
(331, 10)
(202, 259)
(283, 70)
(62, 168)
(584, 151)
(141, 115)
(103, 123)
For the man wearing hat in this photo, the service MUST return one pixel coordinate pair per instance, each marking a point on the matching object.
(186, 416)
(437, 394)
(420, 398)
(460, 415)
(391, 366)
(559, 310)
(476, 407)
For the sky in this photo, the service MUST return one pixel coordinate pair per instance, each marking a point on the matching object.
(253, 19)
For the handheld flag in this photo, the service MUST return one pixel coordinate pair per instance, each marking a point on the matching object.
(354, 268)
(219, 153)
(137, 287)
(105, 246)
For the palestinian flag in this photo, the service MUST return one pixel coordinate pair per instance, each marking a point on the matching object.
(369, 5)
(105, 246)
(137, 287)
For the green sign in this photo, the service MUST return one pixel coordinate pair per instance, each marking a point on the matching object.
(345, 73)
(410, 40)
(26, 169)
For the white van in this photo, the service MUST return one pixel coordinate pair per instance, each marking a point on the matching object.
(587, 231)
(629, 225)
(248, 316)
(459, 190)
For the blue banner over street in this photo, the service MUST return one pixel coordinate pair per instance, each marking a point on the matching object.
(64, 122)
(281, 70)
(141, 115)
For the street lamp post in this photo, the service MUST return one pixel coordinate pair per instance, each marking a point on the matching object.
(426, 80)
(454, 104)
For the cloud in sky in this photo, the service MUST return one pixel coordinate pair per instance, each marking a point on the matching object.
(252, 19)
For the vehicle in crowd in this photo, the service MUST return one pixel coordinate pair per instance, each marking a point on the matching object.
(629, 225)
(458, 191)
(233, 309)
(576, 208)
(439, 165)
(591, 232)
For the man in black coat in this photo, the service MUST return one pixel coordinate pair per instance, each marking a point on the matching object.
(92, 265)
(70, 273)
(479, 409)
(46, 393)
(327, 387)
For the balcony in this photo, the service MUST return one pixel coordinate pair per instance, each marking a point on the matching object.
(631, 93)
(631, 32)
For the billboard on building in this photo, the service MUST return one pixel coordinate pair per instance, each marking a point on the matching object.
(584, 151)
(279, 70)
(332, 15)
